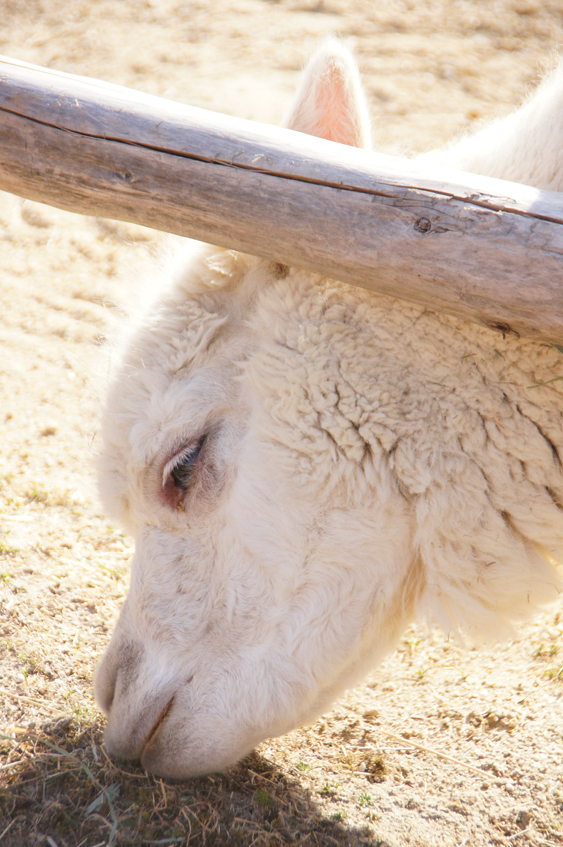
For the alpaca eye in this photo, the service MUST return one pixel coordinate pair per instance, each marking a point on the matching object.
(183, 465)
(178, 472)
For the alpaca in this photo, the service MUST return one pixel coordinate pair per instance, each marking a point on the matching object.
(307, 467)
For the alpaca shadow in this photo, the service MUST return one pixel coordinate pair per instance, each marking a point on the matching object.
(59, 788)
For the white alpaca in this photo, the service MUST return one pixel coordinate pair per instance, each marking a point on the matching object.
(307, 466)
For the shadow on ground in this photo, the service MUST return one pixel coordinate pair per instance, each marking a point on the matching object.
(59, 788)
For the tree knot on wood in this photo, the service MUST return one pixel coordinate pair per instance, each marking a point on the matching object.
(504, 328)
(423, 225)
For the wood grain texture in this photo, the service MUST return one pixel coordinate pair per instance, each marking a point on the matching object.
(483, 249)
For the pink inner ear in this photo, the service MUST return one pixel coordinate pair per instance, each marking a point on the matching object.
(334, 110)
(330, 103)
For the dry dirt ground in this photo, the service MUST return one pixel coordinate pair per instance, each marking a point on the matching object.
(443, 745)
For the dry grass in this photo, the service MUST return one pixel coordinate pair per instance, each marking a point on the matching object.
(347, 780)
(442, 747)
(60, 787)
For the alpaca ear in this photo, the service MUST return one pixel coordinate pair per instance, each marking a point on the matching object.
(330, 102)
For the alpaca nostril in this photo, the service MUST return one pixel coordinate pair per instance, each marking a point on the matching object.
(158, 723)
(104, 688)
(117, 672)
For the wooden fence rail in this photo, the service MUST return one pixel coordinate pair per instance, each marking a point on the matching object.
(484, 249)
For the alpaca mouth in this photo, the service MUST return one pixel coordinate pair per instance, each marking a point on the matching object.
(158, 723)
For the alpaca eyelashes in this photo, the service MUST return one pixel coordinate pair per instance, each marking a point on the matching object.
(177, 474)
(180, 467)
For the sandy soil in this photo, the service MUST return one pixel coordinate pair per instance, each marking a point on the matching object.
(442, 745)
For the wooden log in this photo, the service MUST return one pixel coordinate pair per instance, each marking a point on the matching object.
(483, 249)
